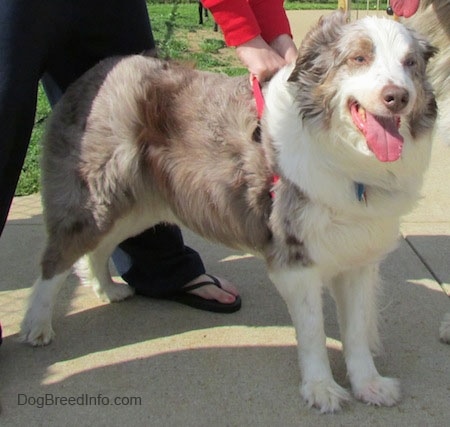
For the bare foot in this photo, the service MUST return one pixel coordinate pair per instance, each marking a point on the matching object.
(226, 294)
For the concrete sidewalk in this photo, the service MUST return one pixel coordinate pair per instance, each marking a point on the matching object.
(155, 363)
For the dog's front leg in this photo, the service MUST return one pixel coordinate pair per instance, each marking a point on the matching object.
(301, 289)
(355, 296)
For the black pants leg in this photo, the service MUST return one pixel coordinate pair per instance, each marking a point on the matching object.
(161, 261)
(22, 51)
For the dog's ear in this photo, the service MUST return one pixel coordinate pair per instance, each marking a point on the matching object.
(426, 48)
(315, 54)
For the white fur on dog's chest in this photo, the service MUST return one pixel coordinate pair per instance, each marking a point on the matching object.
(336, 242)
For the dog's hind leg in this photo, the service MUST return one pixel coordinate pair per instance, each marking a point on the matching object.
(36, 328)
(100, 276)
(97, 268)
(301, 289)
(57, 260)
(355, 296)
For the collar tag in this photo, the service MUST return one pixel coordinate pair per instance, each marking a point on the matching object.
(361, 192)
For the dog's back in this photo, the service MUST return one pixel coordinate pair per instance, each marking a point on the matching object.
(108, 143)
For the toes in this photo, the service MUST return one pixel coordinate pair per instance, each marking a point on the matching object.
(379, 391)
(225, 294)
(325, 395)
(36, 331)
(228, 287)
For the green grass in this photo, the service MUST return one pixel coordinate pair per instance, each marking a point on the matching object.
(176, 30)
(29, 178)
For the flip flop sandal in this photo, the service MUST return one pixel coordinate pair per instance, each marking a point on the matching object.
(184, 297)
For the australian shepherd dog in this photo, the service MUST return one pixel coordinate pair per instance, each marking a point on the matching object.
(346, 130)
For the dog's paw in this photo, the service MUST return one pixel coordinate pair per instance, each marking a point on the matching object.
(444, 330)
(379, 391)
(114, 292)
(325, 395)
(36, 330)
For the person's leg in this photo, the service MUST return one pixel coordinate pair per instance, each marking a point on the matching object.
(161, 263)
(100, 29)
(25, 38)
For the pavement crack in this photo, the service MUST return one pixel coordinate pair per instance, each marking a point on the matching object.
(424, 262)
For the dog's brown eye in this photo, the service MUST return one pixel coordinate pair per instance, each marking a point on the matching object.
(410, 62)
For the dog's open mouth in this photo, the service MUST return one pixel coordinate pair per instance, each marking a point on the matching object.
(381, 133)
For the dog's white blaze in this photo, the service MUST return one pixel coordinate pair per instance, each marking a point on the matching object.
(392, 46)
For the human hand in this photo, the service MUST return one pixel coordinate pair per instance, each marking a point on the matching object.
(285, 46)
(261, 59)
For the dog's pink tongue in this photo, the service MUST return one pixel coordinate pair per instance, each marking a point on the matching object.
(406, 8)
(383, 138)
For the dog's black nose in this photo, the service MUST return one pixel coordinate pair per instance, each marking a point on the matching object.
(395, 98)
